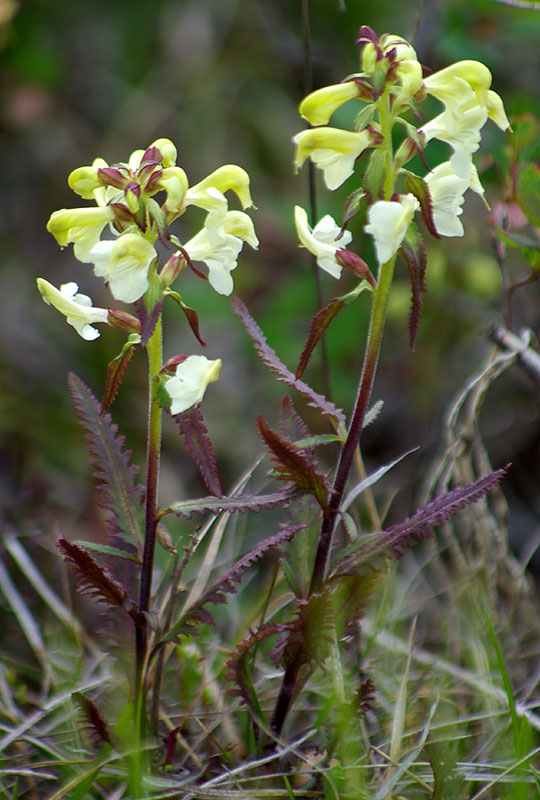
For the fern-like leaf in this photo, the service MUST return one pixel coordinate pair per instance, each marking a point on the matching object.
(392, 541)
(414, 254)
(282, 373)
(226, 583)
(115, 373)
(99, 730)
(118, 491)
(239, 664)
(94, 580)
(319, 324)
(235, 503)
(195, 435)
(294, 465)
(308, 635)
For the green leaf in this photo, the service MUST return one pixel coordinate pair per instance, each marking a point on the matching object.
(528, 192)
(107, 550)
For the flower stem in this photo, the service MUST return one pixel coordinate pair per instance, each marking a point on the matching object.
(155, 361)
(371, 357)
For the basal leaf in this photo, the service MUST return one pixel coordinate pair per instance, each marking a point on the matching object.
(269, 357)
(195, 434)
(118, 491)
(99, 729)
(93, 579)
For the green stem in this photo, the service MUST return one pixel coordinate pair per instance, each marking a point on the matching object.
(154, 349)
(379, 305)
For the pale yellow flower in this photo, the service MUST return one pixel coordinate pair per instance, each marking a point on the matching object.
(187, 387)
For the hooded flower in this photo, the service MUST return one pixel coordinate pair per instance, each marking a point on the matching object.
(388, 221)
(464, 90)
(124, 263)
(187, 387)
(222, 179)
(319, 106)
(80, 226)
(219, 243)
(77, 308)
(322, 241)
(332, 150)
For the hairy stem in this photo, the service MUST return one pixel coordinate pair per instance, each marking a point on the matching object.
(155, 359)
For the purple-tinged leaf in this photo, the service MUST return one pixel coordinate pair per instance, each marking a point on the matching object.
(237, 503)
(225, 584)
(93, 579)
(99, 730)
(148, 321)
(414, 255)
(239, 664)
(195, 434)
(319, 324)
(191, 316)
(115, 373)
(419, 188)
(404, 534)
(309, 635)
(118, 491)
(291, 425)
(352, 207)
(269, 357)
(294, 465)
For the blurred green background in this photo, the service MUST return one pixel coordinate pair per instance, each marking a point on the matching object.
(222, 79)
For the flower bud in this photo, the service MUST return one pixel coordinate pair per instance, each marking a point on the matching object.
(355, 264)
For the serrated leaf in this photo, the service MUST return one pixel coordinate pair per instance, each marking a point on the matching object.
(191, 316)
(527, 192)
(319, 324)
(92, 716)
(118, 491)
(93, 579)
(297, 565)
(404, 534)
(195, 435)
(294, 465)
(269, 357)
(414, 255)
(115, 372)
(239, 664)
(419, 188)
(237, 503)
(149, 308)
(225, 584)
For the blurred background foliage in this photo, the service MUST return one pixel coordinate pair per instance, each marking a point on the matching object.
(222, 79)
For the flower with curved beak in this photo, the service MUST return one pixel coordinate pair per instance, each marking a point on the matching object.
(388, 221)
(187, 387)
(219, 243)
(124, 263)
(464, 90)
(77, 308)
(322, 241)
(80, 226)
(318, 106)
(332, 150)
(222, 179)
